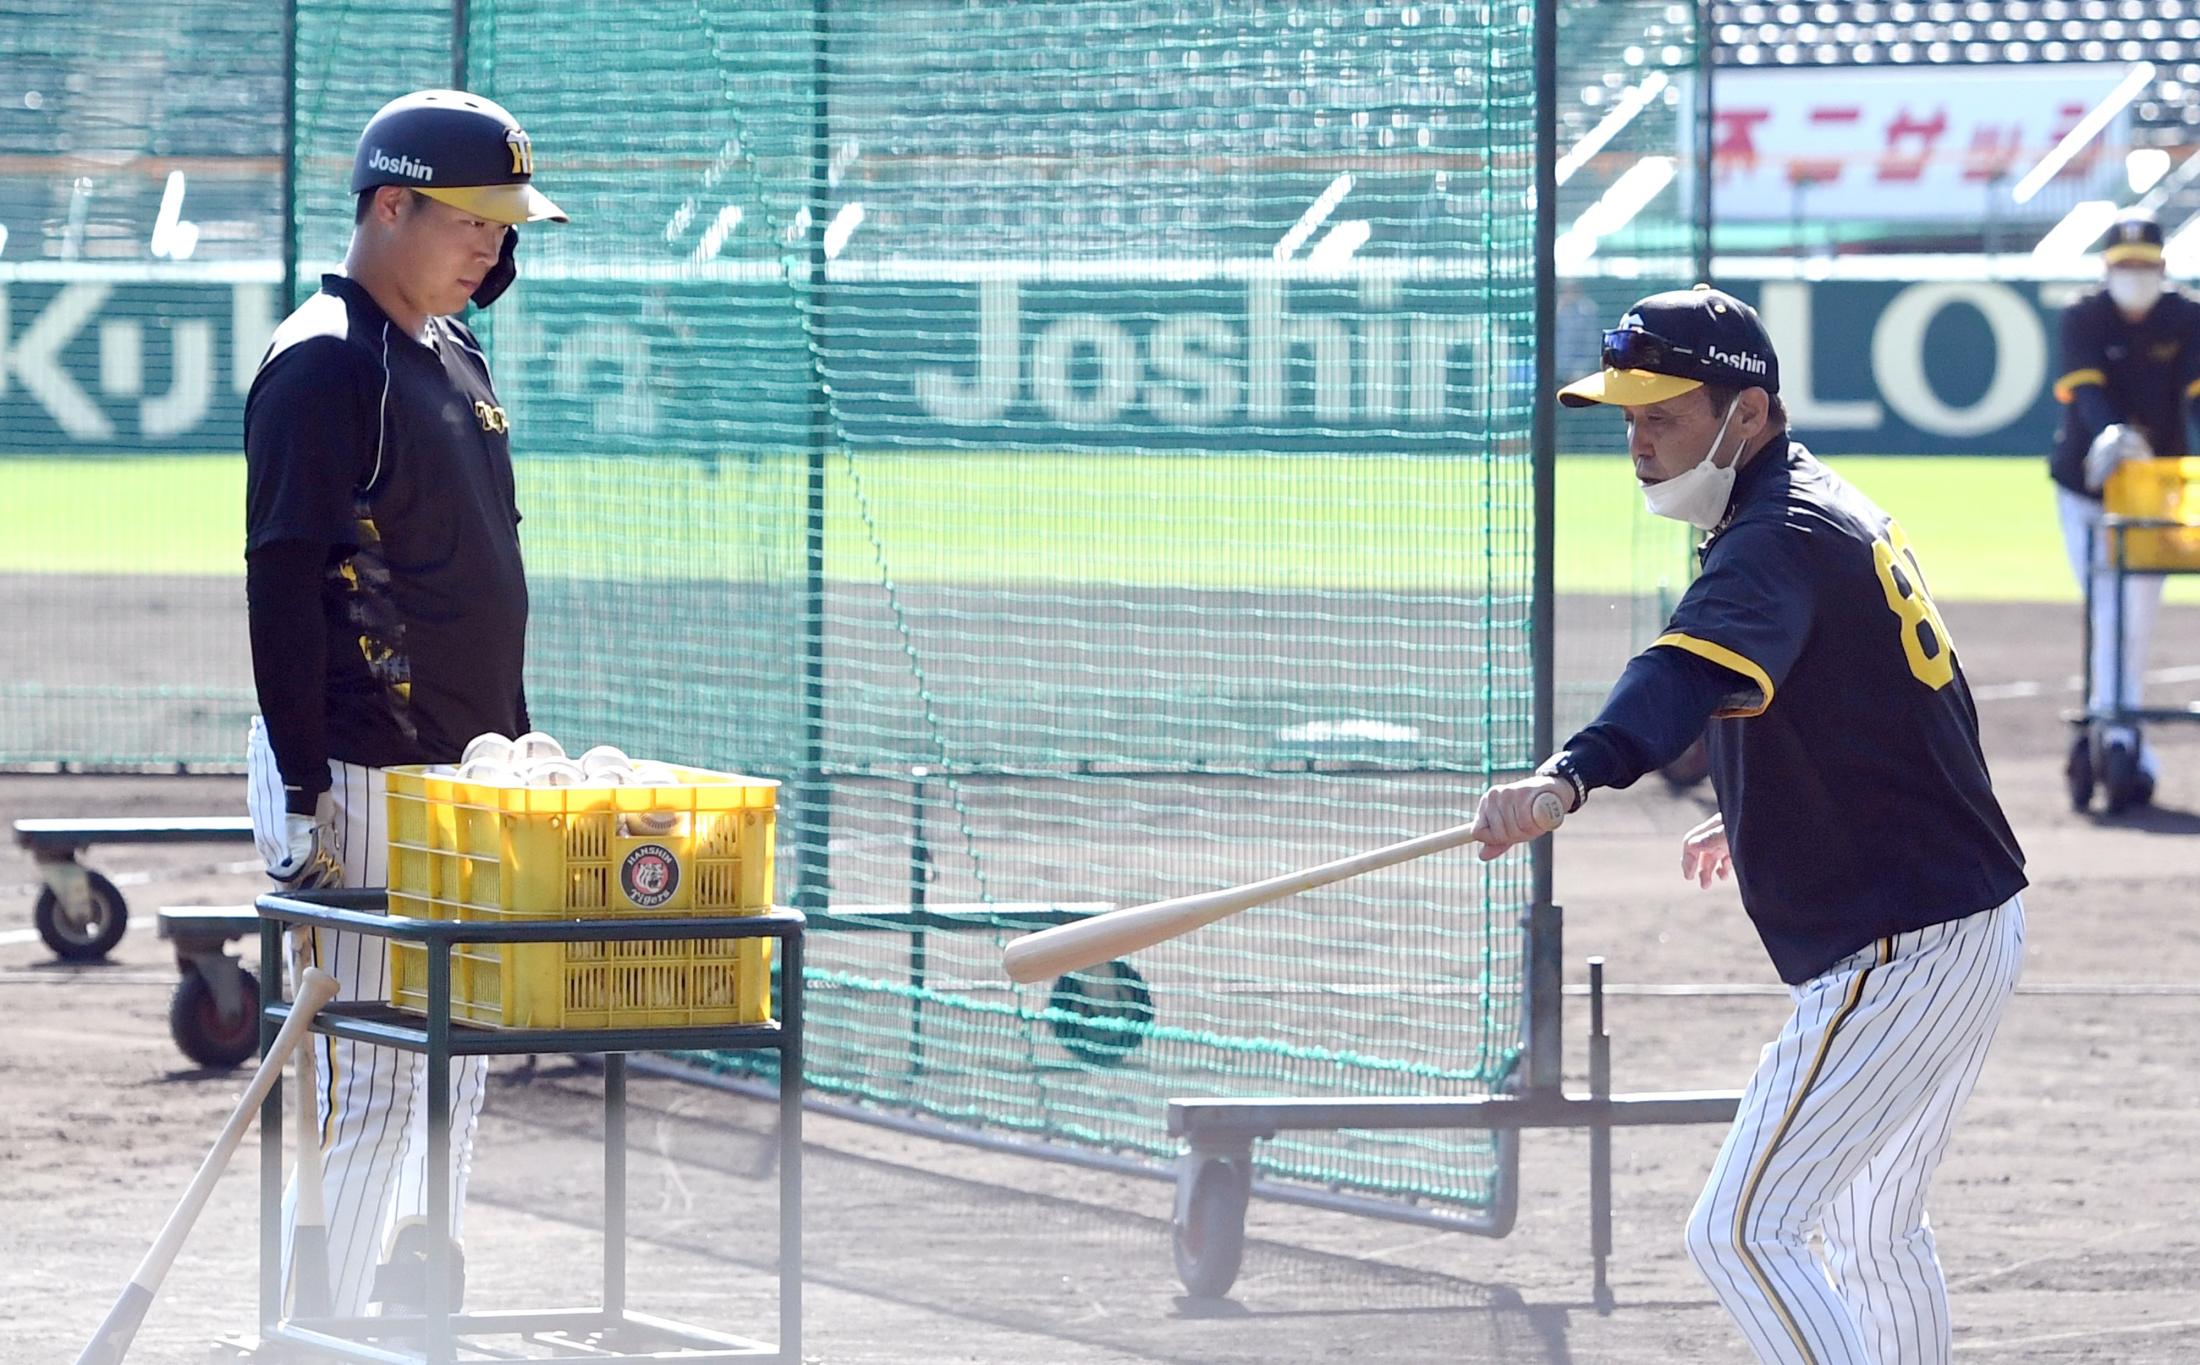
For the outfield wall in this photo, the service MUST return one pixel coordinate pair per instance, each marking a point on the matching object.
(1230, 360)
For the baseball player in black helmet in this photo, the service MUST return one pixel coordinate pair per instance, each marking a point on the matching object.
(2130, 372)
(387, 601)
(1856, 814)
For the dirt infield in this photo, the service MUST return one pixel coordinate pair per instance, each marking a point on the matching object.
(2062, 1209)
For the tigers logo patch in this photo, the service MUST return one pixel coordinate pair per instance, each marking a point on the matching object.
(650, 875)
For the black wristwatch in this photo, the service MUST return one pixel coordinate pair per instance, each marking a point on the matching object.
(1561, 766)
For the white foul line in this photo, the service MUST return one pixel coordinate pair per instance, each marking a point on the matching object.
(2013, 691)
(2130, 1329)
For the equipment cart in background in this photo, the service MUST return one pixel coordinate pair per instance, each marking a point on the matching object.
(2152, 527)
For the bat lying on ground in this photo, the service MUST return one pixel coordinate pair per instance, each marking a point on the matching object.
(1087, 943)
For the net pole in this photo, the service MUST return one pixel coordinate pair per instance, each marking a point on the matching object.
(290, 155)
(813, 813)
(1545, 974)
(1701, 209)
(459, 26)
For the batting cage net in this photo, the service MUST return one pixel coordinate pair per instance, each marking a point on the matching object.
(140, 211)
(1081, 449)
(1630, 224)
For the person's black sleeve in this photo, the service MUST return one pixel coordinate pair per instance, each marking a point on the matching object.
(1657, 709)
(312, 438)
(282, 587)
(312, 435)
(2084, 381)
(2188, 370)
(2096, 410)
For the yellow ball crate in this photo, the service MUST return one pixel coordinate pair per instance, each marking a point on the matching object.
(478, 851)
(2162, 490)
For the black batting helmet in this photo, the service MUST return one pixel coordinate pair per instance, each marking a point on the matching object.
(462, 149)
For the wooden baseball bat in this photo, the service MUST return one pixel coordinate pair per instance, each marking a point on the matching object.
(309, 1286)
(1087, 943)
(113, 1338)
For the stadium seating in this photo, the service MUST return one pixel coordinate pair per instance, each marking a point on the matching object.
(2164, 32)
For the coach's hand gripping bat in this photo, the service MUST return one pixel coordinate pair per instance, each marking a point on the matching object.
(1087, 943)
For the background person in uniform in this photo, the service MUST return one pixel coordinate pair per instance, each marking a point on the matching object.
(2130, 368)
(387, 601)
(1856, 814)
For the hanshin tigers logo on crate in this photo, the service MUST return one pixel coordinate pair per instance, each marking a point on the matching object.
(650, 875)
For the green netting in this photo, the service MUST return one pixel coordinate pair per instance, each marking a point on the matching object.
(1081, 448)
(1626, 76)
(1164, 545)
(124, 641)
(119, 557)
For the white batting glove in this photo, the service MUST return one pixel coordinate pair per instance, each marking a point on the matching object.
(2116, 444)
(309, 859)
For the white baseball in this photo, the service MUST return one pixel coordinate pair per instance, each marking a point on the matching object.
(533, 747)
(606, 763)
(652, 774)
(488, 772)
(553, 772)
(488, 745)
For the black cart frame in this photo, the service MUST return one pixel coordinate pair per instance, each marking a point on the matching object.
(2092, 765)
(2117, 532)
(620, 1333)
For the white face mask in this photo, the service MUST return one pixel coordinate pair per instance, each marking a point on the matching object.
(2134, 291)
(1697, 495)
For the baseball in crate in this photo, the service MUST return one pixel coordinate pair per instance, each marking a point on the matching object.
(519, 830)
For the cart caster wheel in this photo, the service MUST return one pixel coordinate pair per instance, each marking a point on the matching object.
(1208, 1235)
(1692, 767)
(2078, 772)
(90, 941)
(2122, 778)
(195, 1022)
(1113, 992)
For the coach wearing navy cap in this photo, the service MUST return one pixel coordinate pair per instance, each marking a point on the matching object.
(1855, 814)
(1698, 365)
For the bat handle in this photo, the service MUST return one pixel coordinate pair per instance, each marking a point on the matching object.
(1548, 812)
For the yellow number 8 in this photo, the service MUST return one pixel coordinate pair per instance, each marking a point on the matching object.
(1907, 598)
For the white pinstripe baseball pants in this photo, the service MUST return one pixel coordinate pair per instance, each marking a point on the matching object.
(374, 1126)
(1839, 1133)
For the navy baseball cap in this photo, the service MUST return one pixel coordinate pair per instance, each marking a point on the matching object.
(1682, 339)
(462, 149)
(2134, 239)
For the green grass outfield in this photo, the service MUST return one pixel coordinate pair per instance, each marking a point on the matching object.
(1985, 528)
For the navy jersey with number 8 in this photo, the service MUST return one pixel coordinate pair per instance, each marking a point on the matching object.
(1857, 798)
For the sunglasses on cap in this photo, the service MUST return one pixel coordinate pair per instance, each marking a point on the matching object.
(1631, 348)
